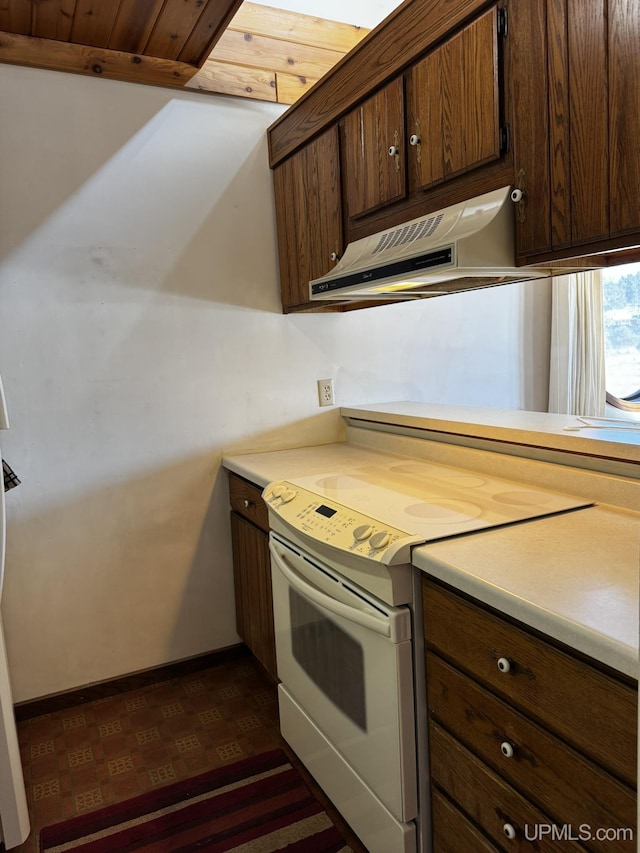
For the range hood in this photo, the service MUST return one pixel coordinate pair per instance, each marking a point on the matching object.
(465, 246)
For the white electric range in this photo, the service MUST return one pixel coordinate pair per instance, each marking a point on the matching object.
(346, 612)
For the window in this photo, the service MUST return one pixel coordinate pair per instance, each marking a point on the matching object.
(621, 304)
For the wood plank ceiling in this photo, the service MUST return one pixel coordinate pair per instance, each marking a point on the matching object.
(210, 46)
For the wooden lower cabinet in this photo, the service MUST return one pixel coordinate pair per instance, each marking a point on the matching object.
(535, 747)
(252, 571)
(452, 832)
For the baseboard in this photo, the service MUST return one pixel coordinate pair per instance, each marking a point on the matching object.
(103, 689)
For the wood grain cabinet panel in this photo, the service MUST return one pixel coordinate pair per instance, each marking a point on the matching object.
(454, 105)
(523, 732)
(452, 832)
(246, 499)
(624, 114)
(588, 119)
(492, 804)
(575, 77)
(581, 704)
(566, 785)
(527, 61)
(308, 201)
(452, 124)
(374, 175)
(252, 572)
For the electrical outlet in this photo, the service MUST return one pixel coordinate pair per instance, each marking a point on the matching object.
(325, 392)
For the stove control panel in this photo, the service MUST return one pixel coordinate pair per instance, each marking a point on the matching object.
(338, 526)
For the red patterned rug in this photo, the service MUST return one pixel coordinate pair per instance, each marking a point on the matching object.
(259, 804)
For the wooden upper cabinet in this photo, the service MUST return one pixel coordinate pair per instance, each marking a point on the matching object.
(374, 151)
(528, 54)
(453, 121)
(624, 114)
(540, 94)
(309, 216)
(451, 126)
(575, 71)
(588, 118)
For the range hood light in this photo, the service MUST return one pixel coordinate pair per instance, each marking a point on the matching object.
(392, 287)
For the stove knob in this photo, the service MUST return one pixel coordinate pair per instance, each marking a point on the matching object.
(380, 540)
(278, 491)
(363, 532)
(289, 495)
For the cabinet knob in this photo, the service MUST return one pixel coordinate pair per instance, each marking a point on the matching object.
(334, 256)
(414, 139)
(393, 151)
(509, 830)
(248, 503)
(504, 664)
(506, 749)
(519, 196)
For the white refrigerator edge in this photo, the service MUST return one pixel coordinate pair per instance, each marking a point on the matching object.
(14, 816)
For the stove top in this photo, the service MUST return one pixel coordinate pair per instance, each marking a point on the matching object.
(379, 511)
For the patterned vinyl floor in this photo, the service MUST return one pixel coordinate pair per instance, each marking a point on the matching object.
(108, 750)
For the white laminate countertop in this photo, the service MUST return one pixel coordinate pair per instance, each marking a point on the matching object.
(572, 576)
(265, 468)
(614, 440)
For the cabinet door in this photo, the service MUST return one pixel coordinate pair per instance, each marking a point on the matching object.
(530, 95)
(309, 216)
(624, 114)
(374, 151)
(454, 113)
(254, 601)
(588, 119)
(575, 68)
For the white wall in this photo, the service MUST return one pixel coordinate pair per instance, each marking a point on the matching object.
(141, 335)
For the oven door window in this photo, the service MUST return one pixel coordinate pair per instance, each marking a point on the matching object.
(317, 643)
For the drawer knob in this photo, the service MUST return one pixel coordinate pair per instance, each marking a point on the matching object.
(248, 503)
(504, 664)
(506, 749)
(509, 830)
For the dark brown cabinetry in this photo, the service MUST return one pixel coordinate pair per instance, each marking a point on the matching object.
(451, 124)
(523, 733)
(577, 103)
(468, 97)
(453, 121)
(252, 571)
(309, 216)
(374, 151)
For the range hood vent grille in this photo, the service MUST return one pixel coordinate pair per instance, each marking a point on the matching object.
(408, 233)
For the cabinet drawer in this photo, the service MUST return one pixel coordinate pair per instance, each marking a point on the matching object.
(551, 774)
(452, 832)
(246, 499)
(490, 803)
(584, 706)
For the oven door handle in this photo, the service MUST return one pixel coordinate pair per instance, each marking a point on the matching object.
(353, 614)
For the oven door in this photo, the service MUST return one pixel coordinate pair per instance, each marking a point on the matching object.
(346, 659)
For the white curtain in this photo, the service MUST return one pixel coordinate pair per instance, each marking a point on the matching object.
(577, 377)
